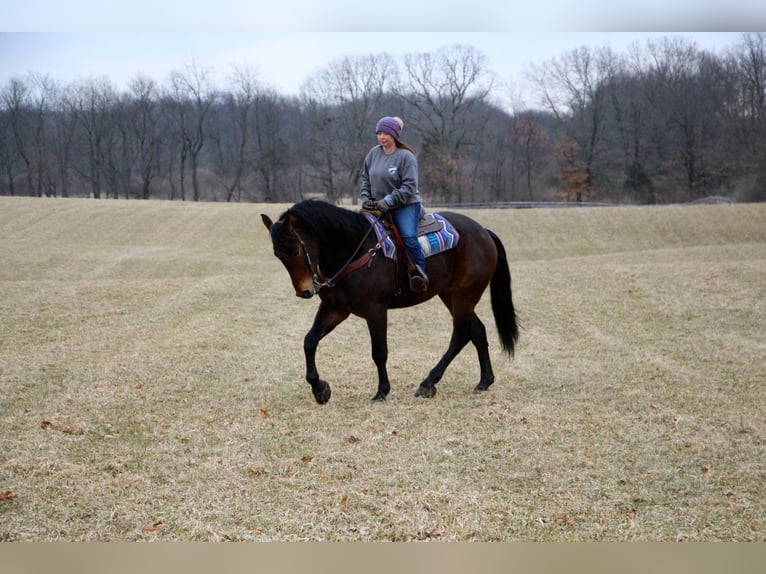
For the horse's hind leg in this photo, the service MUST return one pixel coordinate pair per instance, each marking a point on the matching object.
(474, 332)
(479, 340)
(461, 334)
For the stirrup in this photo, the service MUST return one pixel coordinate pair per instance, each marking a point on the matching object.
(418, 280)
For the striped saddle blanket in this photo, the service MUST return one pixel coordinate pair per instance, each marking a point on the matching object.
(435, 234)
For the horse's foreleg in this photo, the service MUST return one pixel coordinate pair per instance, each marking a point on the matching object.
(377, 323)
(325, 321)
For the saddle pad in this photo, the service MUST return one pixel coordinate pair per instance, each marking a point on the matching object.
(431, 243)
(438, 241)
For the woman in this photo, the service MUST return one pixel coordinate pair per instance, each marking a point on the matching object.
(390, 184)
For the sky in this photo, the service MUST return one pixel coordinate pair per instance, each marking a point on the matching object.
(285, 41)
(285, 60)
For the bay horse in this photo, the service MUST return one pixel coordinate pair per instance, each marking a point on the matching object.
(330, 251)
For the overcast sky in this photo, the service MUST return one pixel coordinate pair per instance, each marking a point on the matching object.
(285, 41)
(284, 60)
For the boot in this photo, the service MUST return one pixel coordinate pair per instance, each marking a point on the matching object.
(418, 280)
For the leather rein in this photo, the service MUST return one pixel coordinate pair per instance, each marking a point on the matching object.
(352, 264)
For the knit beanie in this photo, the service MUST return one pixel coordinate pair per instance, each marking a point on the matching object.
(390, 125)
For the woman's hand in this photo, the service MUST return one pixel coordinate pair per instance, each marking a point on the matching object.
(370, 205)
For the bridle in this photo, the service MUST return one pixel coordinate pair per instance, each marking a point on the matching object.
(353, 263)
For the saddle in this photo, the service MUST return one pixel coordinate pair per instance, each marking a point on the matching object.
(430, 224)
(435, 234)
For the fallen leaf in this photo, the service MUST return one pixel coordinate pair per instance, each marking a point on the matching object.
(344, 500)
(7, 495)
(66, 429)
(265, 413)
(153, 528)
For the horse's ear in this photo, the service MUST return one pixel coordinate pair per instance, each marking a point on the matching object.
(267, 221)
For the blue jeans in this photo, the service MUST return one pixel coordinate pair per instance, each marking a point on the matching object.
(406, 219)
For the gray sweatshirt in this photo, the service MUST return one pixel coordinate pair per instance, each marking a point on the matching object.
(392, 177)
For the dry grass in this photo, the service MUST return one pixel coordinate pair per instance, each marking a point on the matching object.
(151, 385)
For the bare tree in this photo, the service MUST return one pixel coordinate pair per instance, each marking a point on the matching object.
(684, 88)
(445, 89)
(270, 151)
(64, 128)
(193, 93)
(145, 118)
(122, 148)
(748, 122)
(573, 88)
(93, 100)
(233, 136)
(17, 101)
(7, 153)
(630, 122)
(532, 143)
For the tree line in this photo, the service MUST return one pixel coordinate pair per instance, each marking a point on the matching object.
(663, 122)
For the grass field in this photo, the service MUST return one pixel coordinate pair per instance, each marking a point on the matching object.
(151, 385)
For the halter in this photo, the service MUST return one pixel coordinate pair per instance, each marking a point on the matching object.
(319, 279)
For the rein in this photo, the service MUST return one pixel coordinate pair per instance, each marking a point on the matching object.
(350, 265)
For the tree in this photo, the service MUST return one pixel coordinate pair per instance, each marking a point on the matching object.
(145, 119)
(234, 130)
(7, 153)
(532, 144)
(573, 88)
(193, 93)
(630, 117)
(16, 100)
(575, 179)
(93, 102)
(685, 92)
(271, 153)
(447, 91)
(64, 129)
(747, 120)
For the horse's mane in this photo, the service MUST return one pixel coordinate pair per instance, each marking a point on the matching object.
(329, 223)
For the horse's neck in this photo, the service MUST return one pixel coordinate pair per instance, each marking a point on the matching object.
(343, 251)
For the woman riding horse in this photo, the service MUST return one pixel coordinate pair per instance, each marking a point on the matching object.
(320, 244)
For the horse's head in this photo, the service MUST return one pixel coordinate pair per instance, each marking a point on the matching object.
(295, 248)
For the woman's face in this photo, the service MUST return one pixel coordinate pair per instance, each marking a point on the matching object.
(386, 140)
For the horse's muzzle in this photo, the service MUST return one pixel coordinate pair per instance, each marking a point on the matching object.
(305, 294)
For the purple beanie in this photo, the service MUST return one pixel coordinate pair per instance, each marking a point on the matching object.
(391, 126)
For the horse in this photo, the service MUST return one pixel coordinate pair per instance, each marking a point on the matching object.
(330, 251)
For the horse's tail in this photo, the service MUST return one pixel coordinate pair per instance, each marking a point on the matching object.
(502, 299)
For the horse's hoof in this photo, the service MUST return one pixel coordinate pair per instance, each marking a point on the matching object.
(480, 388)
(323, 394)
(425, 392)
(379, 398)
